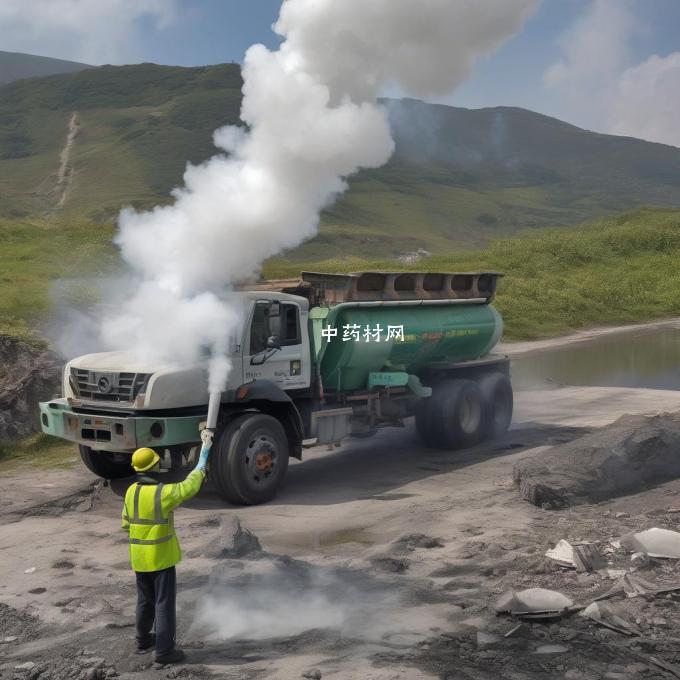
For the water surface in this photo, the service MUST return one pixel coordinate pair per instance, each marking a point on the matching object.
(640, 358)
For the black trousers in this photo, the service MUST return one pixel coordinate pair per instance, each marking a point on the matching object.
(156, 591)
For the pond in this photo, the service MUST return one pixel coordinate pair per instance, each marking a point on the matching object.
(640, 358)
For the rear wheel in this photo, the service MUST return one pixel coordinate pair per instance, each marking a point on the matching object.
(456, 418)
(497, 403)
(250, 460)
(106, 464)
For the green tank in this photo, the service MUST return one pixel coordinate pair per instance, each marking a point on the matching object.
(434, 331)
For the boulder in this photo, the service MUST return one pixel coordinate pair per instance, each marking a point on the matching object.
(627, 456)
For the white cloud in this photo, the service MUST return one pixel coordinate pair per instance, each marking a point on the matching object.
(598, 85)
(594, 51)
(94, 31)
(646, 102)
(594, 47)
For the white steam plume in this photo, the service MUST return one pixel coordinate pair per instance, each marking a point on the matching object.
(313, 119)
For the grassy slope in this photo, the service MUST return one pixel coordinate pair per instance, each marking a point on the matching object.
(34, 254)
(615, 271)
(458, 178)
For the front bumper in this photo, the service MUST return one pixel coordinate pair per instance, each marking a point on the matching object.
(117, 433)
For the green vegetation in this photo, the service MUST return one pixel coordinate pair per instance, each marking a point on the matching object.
(38, 450)
(493, 179)
(458, 178)
(615, 271)
(36, 253)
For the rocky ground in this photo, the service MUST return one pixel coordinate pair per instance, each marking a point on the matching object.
(28, 374)
(378, 560)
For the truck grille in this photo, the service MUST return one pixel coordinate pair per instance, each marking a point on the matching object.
(101, 386)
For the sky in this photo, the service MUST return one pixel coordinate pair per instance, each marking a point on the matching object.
(606, 65)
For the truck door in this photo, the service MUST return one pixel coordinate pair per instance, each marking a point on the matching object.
(274, 347)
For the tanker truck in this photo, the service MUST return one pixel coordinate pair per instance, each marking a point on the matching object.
(318, 358)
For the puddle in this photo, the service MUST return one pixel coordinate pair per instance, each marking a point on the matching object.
(644, 358)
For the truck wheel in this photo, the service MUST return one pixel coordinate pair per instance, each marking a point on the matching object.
(251, 459)
(106, 464)
(457, 414)
(498, 403)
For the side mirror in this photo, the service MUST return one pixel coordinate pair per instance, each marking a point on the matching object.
(273, 342)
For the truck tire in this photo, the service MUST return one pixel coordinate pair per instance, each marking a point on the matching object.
(250, 460)
(457, 414)
(105, 463)
(498, 404)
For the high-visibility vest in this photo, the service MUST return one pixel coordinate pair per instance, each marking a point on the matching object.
(148, 516)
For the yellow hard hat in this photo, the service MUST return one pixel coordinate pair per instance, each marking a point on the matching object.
(144, 459)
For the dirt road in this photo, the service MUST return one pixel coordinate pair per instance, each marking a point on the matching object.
(379, 560)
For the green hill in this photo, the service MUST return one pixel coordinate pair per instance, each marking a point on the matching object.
(458, 178)
(16, 65)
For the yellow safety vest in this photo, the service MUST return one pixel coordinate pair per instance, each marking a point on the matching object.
(148, 517)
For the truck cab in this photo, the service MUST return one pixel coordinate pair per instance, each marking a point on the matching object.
(275, 342)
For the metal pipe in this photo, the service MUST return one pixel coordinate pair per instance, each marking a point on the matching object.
(213, 409)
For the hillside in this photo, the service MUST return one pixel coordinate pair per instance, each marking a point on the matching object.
(16, 65)
(458, 178)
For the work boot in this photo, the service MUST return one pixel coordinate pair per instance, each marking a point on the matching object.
(147, 645)
(175, 656)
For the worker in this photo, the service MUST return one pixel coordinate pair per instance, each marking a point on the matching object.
(154, 548)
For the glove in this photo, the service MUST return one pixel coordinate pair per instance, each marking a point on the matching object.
(207, 439)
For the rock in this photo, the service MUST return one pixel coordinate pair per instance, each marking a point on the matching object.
(9, 638)
(654, 542)
(638, 560)
(534, 603)
(29, 375)
(314, 674)
(551, 649)
(26, 666)
(95, 661)
(64, 564)
(621, 515)
(395, 565)
(635, 669)
(233, 541)
(37, 591)
(411, 542)
(627, 456)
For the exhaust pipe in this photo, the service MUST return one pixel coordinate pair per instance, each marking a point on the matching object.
(213, 409)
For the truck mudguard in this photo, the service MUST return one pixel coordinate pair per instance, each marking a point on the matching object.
(269, 398)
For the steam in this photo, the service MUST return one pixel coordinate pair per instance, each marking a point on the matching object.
(280, 597)
(312, 120)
